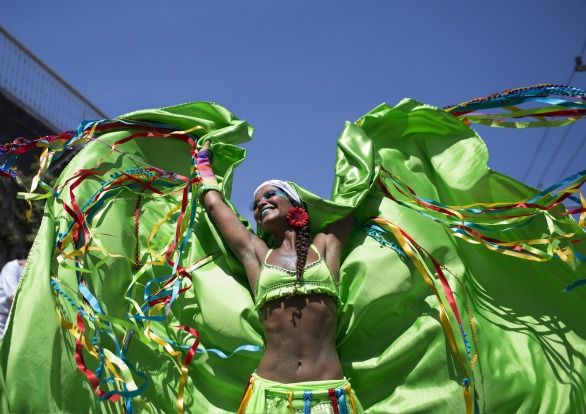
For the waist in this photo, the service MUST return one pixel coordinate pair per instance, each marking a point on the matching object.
(287, 364)
(317, 387)
(264, 395)
(305, 350)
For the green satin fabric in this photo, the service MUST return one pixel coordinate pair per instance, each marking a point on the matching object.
(530, 339)
(531, 343)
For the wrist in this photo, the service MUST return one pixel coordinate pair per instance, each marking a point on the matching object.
(206, 174)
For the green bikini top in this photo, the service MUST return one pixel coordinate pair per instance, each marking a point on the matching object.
(275, 282)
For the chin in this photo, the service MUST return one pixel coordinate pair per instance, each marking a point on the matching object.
(270, 224)
(266, 227)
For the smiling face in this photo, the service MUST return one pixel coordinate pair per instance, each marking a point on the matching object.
(270, 204)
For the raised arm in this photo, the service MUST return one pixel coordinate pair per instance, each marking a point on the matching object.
(247, 246)
(332, 242)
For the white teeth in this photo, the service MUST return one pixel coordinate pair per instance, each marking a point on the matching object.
(266, 211)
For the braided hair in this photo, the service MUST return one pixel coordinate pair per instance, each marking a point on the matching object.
(302, 248)
(299, 220)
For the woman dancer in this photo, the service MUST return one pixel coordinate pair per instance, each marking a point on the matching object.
(296, 291)
(140, 304)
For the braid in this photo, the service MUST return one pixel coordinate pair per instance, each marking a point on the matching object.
(302, 247)
(298, 219)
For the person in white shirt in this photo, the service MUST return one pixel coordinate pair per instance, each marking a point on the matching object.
(9, 278)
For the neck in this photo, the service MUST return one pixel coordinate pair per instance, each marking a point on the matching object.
(286, 240)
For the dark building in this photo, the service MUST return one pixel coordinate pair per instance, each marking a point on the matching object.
(34, 102)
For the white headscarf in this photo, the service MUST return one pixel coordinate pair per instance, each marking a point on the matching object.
(282, 185)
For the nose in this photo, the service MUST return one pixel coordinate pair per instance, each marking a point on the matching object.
(262, 202)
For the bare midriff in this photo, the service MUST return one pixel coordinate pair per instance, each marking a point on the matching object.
(300, 339)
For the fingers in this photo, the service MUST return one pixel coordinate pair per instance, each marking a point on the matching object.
(206, 145)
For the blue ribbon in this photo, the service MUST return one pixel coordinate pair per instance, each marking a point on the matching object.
(250, 348)
(575, 285)
(341, 400)
(307, 401)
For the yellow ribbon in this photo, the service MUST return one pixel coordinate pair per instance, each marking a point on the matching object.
(413, 255)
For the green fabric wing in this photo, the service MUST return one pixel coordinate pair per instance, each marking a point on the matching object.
(127, 255)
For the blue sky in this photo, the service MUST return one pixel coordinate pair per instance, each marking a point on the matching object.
(296, 70)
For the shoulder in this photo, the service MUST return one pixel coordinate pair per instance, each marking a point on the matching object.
(10, 276)
(12, 268)
(325, 242)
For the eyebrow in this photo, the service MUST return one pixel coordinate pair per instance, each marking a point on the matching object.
(277, 191)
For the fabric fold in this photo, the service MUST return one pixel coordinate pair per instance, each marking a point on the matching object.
(434, 316)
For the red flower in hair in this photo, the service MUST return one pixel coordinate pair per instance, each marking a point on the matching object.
(297, 217)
